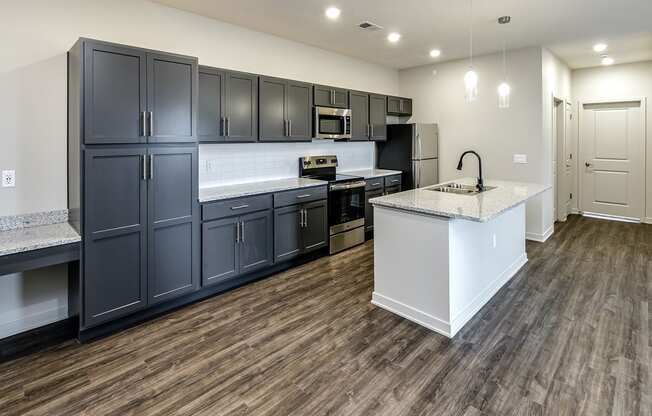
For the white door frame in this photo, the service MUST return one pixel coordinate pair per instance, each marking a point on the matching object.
(580, 108)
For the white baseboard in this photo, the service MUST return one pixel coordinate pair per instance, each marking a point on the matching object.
(412, 314)
(449, 329)
(541, 238)
(483, 297)
(35, 320)
(647, 220)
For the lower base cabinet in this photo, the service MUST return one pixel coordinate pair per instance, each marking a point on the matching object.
(300, 229)
(235, 246)
(378, 187)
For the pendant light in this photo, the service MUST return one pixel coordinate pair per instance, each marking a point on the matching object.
(504, 89)
(471, 77)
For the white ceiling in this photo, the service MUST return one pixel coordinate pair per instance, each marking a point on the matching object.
(568, 27)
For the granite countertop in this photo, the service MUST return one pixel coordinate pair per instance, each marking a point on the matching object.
(371, 173)
(216, 193)
(481, 207)
(20, 240)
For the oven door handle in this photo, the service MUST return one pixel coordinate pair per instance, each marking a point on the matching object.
(353, 185)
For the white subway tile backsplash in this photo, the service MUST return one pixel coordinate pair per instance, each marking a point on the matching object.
(234, 163)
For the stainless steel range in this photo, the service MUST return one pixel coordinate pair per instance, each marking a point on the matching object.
(345, 201)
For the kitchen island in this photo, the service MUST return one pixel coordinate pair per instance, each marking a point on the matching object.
(440, 256)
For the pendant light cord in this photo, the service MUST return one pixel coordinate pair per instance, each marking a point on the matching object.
(471, 35)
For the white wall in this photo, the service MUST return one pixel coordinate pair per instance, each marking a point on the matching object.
(34, 38)
(615, 83)
(556, 83)
(497, 134)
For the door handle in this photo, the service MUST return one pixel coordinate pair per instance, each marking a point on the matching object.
(144, 123)
(303, 196)
(285, 128)
(240, 207)
(237, 232)
(289, 128)
(144, 160)
(151, 123)
(372, 130)
(222, 129)
(242, 232)
(332, 96)
(305, 218)
(587, 164)
(151, 166)
(228, 127)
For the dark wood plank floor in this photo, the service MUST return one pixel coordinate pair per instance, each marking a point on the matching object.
(569, 335)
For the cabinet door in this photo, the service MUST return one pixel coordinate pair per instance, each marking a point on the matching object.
(171, 98)
(256, 241)
(114, 94)
(406, 107)
(340, 98)
(211, 104)
(323, 96)
(393, 105)
(241, 109)
(287, 232)
(115, 230)
(220, 255)
(378, 117)
(299, 111)
(369, 209)
(392, 189)
(315, 231)
(173, 223)
(272, 117)
(359, 116)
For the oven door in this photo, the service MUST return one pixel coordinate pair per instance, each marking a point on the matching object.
(332, 123)
(346, 206)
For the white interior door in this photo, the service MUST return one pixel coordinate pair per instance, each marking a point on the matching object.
(564, 161)
(611, 164)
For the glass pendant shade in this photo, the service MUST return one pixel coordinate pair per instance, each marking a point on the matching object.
(504, 91)
(471, 86)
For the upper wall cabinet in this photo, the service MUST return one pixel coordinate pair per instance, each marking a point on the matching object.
(377, 117)
(360, 128)
(228, 106)
(285, 110)
(131, 95)
(326, 96)
(397, 106)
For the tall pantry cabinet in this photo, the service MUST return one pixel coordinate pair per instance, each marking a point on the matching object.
(132, 177)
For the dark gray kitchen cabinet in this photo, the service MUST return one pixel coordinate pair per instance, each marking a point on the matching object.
(288, 223)
(115, 94)
(392, 189)
(171, 98)
(220, 254)
(256, 243)
(369, 209)
(399, 106)
(299, 111)
(115, 233)
(228, 106)
(285, 110)
(360, 128)
(315, 226)
(299, 229)
(173, 223)
(132, 95)
(377, 117)
(326, 96)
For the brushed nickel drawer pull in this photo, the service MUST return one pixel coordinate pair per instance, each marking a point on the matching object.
(240, 207)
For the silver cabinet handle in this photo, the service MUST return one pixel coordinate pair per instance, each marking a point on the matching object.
(228, 126)
(222, 129)
(303, 196)
(289, 128)
(237, 232)
(242, 232)
(394, 180)
(144, 160)
(151, 166)
(375, 184)
(372, 130)
(285, 128)
(144, 124)
(240, 207)
(305, 218)
(151, 123)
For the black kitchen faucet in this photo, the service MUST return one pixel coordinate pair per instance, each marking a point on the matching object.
(480, 185)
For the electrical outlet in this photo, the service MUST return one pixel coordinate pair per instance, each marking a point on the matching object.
(520, 158)
(8, 178)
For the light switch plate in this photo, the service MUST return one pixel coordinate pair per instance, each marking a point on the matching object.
(520, 158)
(8, 178)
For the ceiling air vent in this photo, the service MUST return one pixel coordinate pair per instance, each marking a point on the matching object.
(370, 26)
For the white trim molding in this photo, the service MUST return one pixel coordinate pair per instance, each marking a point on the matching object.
(540, 238)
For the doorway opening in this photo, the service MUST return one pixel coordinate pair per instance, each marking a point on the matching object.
(562, 159)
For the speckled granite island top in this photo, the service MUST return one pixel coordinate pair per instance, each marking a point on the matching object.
(481, 207)
(19, 235)
(216, 193)
(371, 173)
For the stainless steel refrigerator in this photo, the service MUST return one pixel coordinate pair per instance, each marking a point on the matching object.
(414, 150)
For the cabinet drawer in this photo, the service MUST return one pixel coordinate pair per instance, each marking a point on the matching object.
(374, 183)
(239, 206)
(393, 180)
(299, 196)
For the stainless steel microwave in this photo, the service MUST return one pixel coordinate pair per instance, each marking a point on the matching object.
(332, 123)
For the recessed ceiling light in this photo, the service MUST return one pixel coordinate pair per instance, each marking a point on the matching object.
(435, 53)
(333, 13)
(600, 47)
(607, 60)
(394, 37)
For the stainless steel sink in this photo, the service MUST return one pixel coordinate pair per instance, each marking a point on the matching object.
(458, 188)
